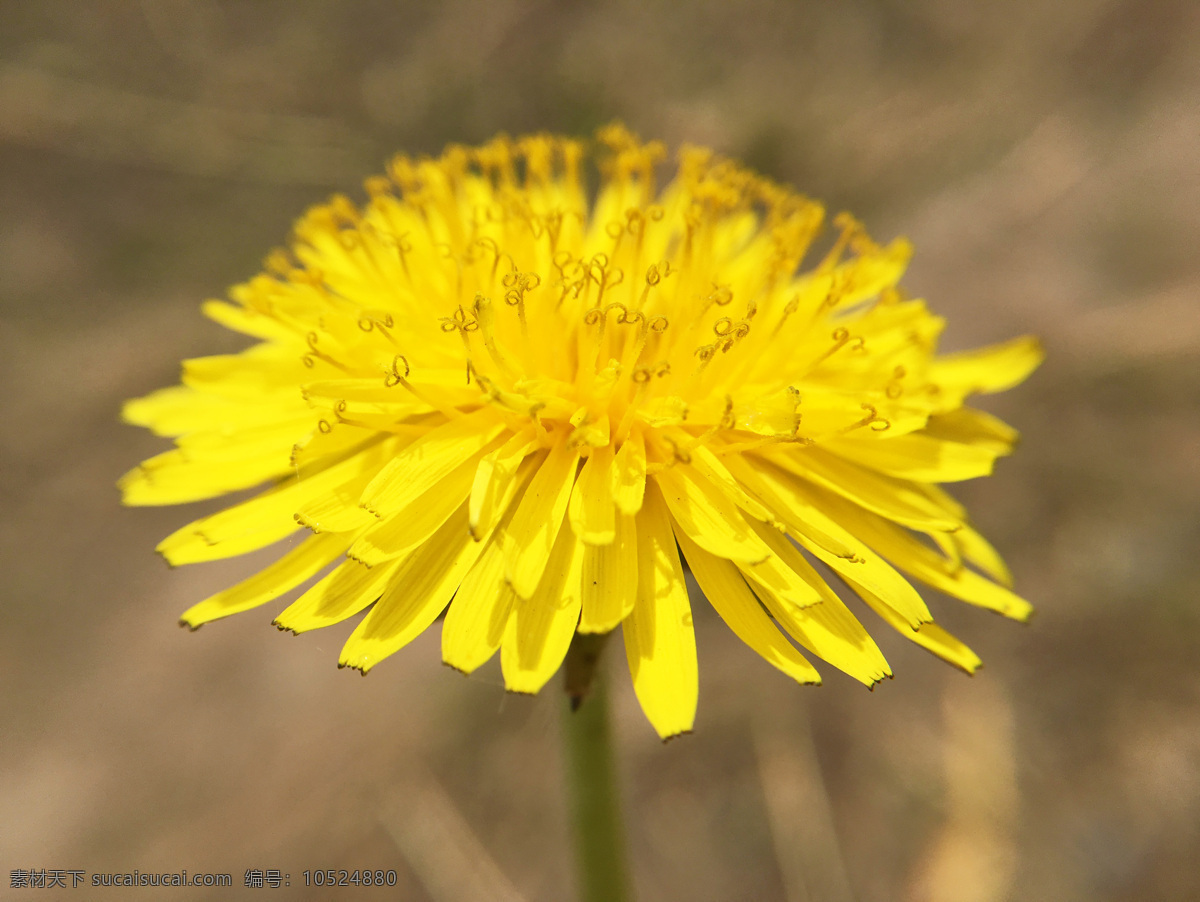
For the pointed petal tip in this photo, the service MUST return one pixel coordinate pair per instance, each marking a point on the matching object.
(125, 485)
(198, 615)
(916, 624)
(878, 678)
(673, 736)
(350, 664)
(598, 628)
(1018, 613)
(605, 537)
(523, 592)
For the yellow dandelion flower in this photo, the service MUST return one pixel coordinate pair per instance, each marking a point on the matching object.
(483, 393)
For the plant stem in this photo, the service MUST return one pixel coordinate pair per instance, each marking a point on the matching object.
(592, 794)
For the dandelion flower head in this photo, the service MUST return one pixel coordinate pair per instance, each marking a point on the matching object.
(492, 393)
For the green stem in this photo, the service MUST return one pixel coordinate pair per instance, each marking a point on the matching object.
(593, 799)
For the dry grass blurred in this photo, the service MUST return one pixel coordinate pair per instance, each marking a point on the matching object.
(1041, 156)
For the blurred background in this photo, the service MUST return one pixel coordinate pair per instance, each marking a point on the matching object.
(1042, 156)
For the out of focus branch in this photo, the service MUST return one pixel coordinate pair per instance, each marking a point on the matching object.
(441, 848)
(79, 118)
(798, 810)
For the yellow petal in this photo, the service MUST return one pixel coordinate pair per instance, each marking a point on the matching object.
(868, 568)
(329, 503)
(711, 467)
(174, 478)
(270, 516)
(417, 592)
(610, 581)
(478, 615)
(302, 562)
(865, 276)
(972, 427)
(814, 529)
(593, 517)
(429, 460)
(992, 369)
(268, 519)
(969, 586)
(730, 597)
(343, 593)
(327, 392)
(917, 456)
(779, 497)
(711, 519)
(948, 547)
(321, 446)
(976, 549)
(830, 411)
(783, 572)
(493, 475)
(629, 474)
(911, 555)
(417, 521)
(476, 621)
(530, 536)
(248, 321)
(263, 369)
(180, 409)
(268, 435)
(194, 548)
(943, 500)
(930, 636)
(660, 642)
(336, 510)
(831, 633)
(540, 628)
(892, 498)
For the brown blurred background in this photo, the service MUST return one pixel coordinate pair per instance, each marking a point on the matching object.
(1043, 158)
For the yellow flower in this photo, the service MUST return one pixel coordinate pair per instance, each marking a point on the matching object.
(484, 391)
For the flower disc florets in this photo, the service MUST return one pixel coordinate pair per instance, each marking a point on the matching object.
(483, 390)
